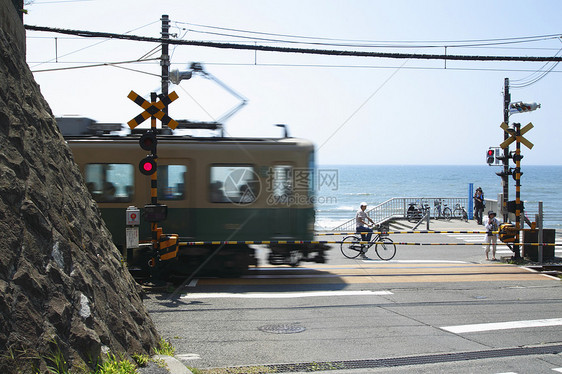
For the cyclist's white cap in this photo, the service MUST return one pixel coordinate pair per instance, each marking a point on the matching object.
(363, 204)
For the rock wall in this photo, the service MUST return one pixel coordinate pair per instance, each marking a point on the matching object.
(63, 286)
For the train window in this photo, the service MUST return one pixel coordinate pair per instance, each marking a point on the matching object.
(171, 182)
(110, 182)
(233, 183)
(280, 182)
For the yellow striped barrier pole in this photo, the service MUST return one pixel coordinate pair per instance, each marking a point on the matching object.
(405, 232)
(259, 242)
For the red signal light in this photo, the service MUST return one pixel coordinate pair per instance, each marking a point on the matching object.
(148, 141)
(147, 166)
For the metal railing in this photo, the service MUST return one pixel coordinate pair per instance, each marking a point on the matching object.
(397, 208)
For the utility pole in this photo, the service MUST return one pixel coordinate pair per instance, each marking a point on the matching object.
(165, 59)
(506, 173)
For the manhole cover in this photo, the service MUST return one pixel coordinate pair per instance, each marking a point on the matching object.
(282, 328)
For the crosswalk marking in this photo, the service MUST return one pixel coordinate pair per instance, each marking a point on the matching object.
(500, 247)
(281, 295)
(479, 327)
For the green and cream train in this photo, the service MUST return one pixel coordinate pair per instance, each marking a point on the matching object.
(216, 189)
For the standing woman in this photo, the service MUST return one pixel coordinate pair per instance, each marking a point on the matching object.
(491, 237)
(479, 204)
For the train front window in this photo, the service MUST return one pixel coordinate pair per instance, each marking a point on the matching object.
(231, 183)
(171, 182)
(110, 182)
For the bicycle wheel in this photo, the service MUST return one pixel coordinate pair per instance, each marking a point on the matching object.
(350, 246)
(386, 250)
(447, 213)
(457, 213)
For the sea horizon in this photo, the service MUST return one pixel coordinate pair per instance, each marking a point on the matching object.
(349, 185)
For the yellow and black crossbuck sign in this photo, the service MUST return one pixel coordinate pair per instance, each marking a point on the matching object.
(153, 110)
(513, 137)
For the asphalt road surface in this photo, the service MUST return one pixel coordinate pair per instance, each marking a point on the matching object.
(431, 309)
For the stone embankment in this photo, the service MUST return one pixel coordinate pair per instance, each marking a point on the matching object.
(63, 287)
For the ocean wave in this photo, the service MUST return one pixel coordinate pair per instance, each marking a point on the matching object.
(327, 224)
(338, 209)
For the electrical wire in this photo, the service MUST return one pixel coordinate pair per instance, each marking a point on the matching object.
(365, 67)
(324, 52)
(98, 65)
(151, 52)
(92, 45)
(135, 70)
(528, 81)
(371, 43)
(58, 2)
(198, 104)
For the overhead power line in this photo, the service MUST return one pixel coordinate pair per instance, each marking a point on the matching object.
(228, 32)
(265, 48)
(114, 64)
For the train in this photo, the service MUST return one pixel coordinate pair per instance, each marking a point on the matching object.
(215, 189)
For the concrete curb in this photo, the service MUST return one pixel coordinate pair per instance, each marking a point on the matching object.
(173, 364)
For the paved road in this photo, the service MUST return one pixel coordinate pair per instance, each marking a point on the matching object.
(431, 309)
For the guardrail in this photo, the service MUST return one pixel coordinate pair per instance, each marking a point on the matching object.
(397, 208)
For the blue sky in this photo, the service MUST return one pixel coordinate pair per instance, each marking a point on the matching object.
(356, 110)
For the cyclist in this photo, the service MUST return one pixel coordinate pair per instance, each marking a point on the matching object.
(362, 226)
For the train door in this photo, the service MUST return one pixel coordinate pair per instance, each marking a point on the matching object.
(175, 189)
(281, 200)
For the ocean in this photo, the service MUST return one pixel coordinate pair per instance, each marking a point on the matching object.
(341, 188)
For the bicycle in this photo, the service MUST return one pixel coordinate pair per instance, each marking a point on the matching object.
(439, 213)
(460, 213)
(414, 212)
(384, 246)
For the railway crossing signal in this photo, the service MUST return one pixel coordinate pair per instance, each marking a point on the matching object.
(513, 136)
(153, 109)
(148, 141)
(164, 247)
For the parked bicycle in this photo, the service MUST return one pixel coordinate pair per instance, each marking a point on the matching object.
(460, 213)
(441, 210)
(414, 213)
(417, 211)
(385, 248)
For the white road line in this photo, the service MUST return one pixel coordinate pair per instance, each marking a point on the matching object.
(282, 295)
(193, 283)
(467, 237)
(416, 261)
(461, 329)
(188, 356)
(557, 369)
